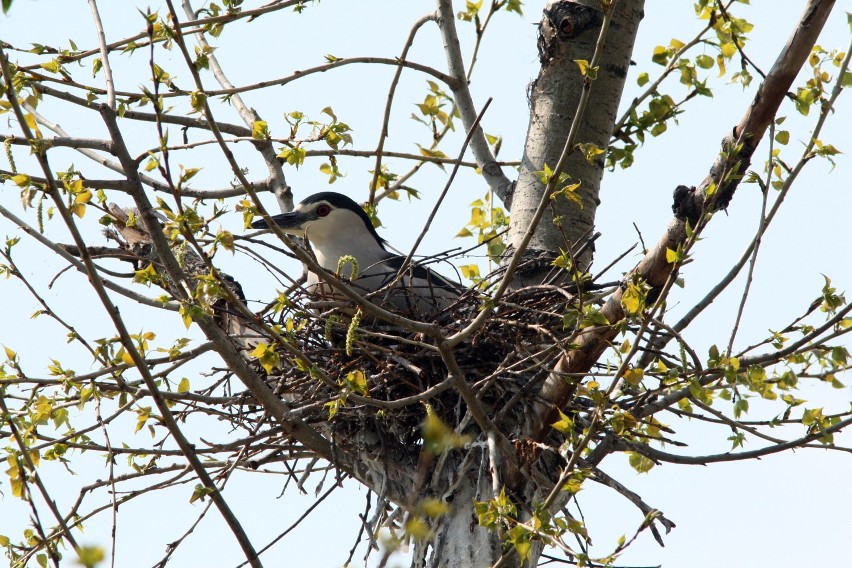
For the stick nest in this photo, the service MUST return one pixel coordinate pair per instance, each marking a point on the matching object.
(392, 370)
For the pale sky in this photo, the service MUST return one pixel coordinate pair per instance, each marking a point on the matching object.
(784, 510)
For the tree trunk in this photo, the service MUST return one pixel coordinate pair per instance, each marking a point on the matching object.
(459, 541)
(568, 32)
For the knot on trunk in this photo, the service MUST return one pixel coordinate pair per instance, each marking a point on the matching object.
(688, 204)
(563, 21)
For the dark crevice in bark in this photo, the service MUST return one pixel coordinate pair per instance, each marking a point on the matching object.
(562, 22)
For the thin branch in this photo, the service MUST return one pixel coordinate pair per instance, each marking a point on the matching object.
(491, 172)
(659, 455)
(80, 266)
(93, 5)
(276, 173)
(386, 119)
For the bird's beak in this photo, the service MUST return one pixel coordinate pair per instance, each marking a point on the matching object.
(289, 222)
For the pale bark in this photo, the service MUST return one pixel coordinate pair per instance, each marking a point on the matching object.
(568, 32)
(492, 173)
(459, 541)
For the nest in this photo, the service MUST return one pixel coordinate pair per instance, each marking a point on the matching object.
(384, 378)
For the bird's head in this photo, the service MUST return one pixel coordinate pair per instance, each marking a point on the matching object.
(324, 218)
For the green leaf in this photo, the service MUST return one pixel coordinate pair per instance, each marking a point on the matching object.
(43, 408)
(21, 180)
(642, 79)
(266, 356)
(812, 416)
(197, 100)
(740, 407)
(782, 137)
(660, 55)
(200, 492)
(438, 437)
(634, 376)
(633, 299)
(417, 528)
(260, 130)
(433, 508)
(658, 128)
(357, 383)
(704, 61)
(564, 425)
(293, 156)
(53, 66)
(514, 6)
(590, 151)
(147, 276)
(90, 556)
(183, 385)
(470, 271)
(672, 256)
(804, 99)
(142, 416)
(640, 463)
(327, 110)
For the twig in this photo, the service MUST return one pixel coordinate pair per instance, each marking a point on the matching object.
(249, 116)
(386, 119)
(491, 172)
(93, 5)
(443, 194)
(81, 266)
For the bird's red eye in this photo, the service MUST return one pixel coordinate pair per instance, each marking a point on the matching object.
(323, 210)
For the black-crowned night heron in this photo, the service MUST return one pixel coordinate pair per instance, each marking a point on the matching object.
(337, 227)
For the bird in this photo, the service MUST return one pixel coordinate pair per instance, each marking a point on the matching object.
(335, 226)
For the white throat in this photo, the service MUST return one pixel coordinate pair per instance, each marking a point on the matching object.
(343, 233)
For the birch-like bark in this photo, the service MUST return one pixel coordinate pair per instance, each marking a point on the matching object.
(568, 32)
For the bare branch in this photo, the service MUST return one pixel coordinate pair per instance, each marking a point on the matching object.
(491, 172)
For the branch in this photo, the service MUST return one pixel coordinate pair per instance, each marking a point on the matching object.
(81, 266)
(93, 5)
(654, 268)
(661, 456)
(386, 119)
(449, 80)
(634, 498)
(228, 17)
(270, 157)
(491, 171)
